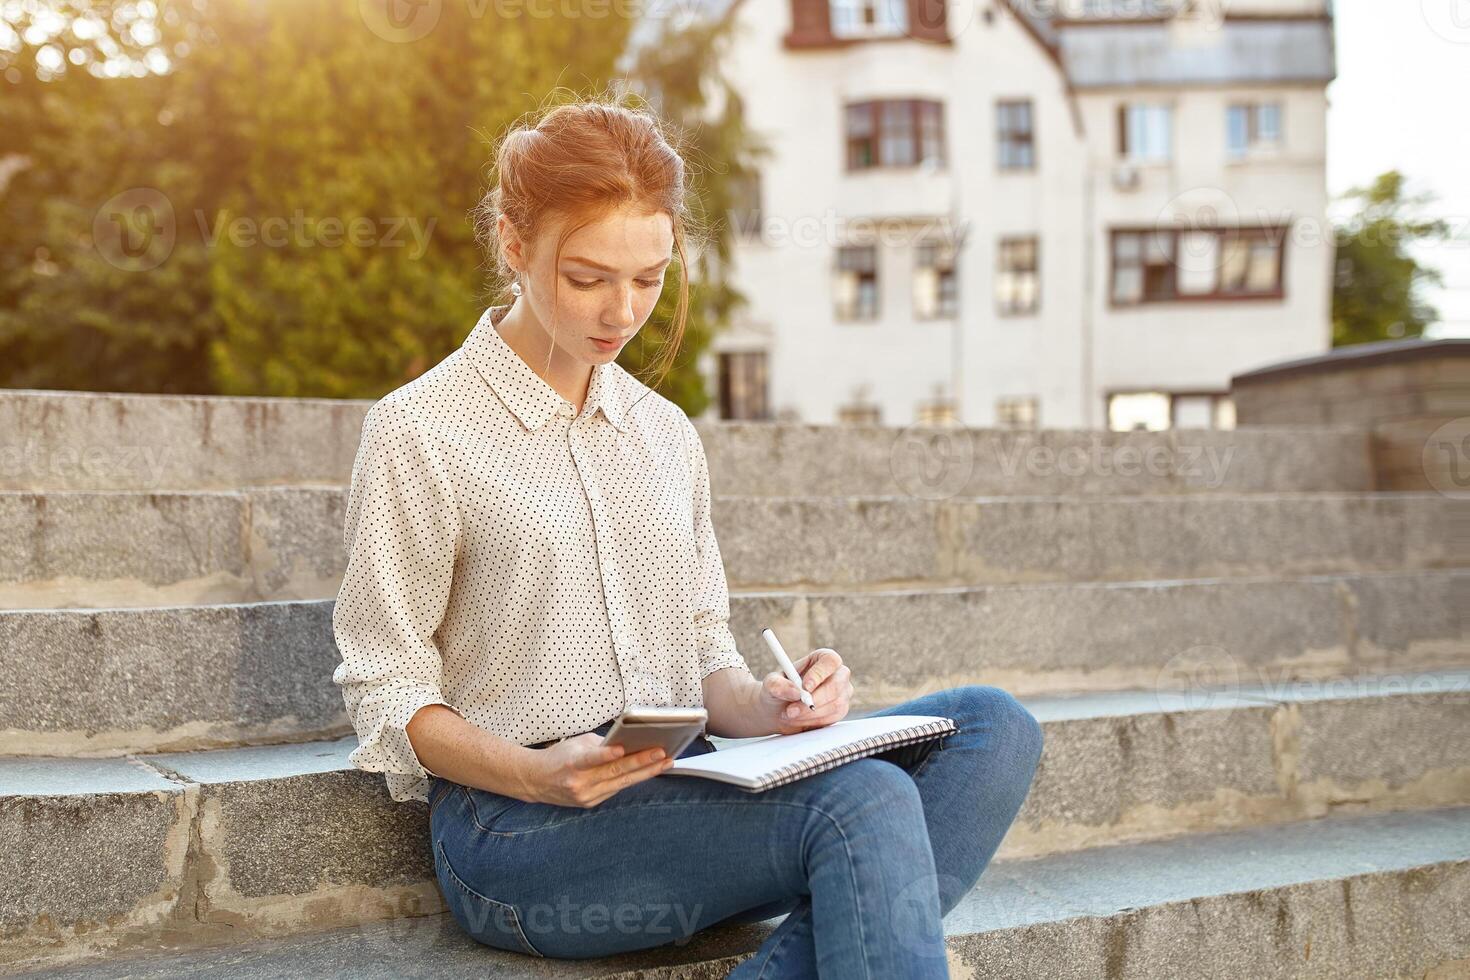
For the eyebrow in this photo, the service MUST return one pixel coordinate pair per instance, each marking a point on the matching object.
(608, 268)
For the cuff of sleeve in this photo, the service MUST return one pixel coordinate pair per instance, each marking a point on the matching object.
(719, 660)
(393, 749)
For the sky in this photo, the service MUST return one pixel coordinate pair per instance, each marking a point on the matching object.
(1401, 100)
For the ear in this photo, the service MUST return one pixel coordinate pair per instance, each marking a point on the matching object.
(510, 243)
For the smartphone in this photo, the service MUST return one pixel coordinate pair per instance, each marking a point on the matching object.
(642, 727)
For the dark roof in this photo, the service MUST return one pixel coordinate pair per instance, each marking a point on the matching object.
(1360, 355)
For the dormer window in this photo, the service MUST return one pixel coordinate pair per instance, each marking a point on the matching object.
(895, 133)
(869, 18)
(838, 23)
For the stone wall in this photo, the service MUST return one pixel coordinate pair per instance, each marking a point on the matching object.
(1412, 396)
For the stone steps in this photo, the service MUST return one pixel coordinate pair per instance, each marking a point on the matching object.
(110, 549)
(112, 681)
(81, 441)
(1201, 619)
(186, 849)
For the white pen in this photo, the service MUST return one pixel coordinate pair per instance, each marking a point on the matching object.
(787, 667)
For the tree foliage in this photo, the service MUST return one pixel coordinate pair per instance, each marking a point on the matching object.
(278, 203)
(1377, 293)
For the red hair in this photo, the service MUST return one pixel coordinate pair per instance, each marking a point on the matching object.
(583, 160)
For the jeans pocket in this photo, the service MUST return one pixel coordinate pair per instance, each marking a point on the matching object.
(485, 920)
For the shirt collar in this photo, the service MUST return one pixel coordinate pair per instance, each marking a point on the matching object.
(526, 393)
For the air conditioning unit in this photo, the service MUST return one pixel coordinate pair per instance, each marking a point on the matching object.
(1125, 178)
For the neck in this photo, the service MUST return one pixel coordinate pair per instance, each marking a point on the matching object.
(528, 338)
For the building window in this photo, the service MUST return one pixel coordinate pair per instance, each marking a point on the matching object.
(1144, 133)
(1164, 265)
(869, 18)
(1253, 127)
(862, 410)
(1018, 276)
(855, 286)
(895, 133)
(745, 204)
(859, 415)
(742, 385)
(938, 410)
(936, 288)
(1017, 412)
(1201, 410)
(1014, 137)
(1155, 411)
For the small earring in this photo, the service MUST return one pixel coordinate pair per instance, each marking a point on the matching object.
(515, 288)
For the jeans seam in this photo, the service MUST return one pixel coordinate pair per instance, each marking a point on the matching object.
(515, 913)
(846, 847)
(857, 892)
(592, 811)
(771, 953)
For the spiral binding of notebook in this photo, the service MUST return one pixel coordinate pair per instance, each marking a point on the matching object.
(855, 750)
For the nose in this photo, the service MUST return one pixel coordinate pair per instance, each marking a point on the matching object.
(621, 315)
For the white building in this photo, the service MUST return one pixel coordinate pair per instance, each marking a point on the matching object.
(1068, 214)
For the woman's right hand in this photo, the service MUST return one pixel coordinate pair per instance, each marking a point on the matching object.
(581, 771)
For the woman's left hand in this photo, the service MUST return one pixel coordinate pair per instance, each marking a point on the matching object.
(824, 676)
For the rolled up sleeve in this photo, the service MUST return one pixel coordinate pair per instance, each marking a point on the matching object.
(402, 531)
(716, 644)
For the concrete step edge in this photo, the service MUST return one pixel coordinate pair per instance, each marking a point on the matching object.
(1344, 896)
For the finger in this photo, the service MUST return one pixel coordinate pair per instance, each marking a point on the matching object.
(599, 755)
(827, 700)
(826, 689)
(631, 763)
(629, 776)
(823, 664)
(782, 687)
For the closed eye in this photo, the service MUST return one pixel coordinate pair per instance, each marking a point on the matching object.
(645, 283)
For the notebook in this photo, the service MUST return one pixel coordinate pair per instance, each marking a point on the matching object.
(762, 763)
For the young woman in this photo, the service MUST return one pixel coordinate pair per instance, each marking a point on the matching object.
(530, 549)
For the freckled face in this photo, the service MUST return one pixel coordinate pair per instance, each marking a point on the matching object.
(607, 282)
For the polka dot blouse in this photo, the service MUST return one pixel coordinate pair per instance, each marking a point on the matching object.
(531, 567)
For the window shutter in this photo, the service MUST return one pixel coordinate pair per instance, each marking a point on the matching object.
(927, 20)
(811, 23)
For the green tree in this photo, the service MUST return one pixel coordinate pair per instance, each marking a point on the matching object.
(315, 177)
(1377, 292)
(75, 312)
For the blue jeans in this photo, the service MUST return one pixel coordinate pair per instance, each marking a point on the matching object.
(838, 853)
